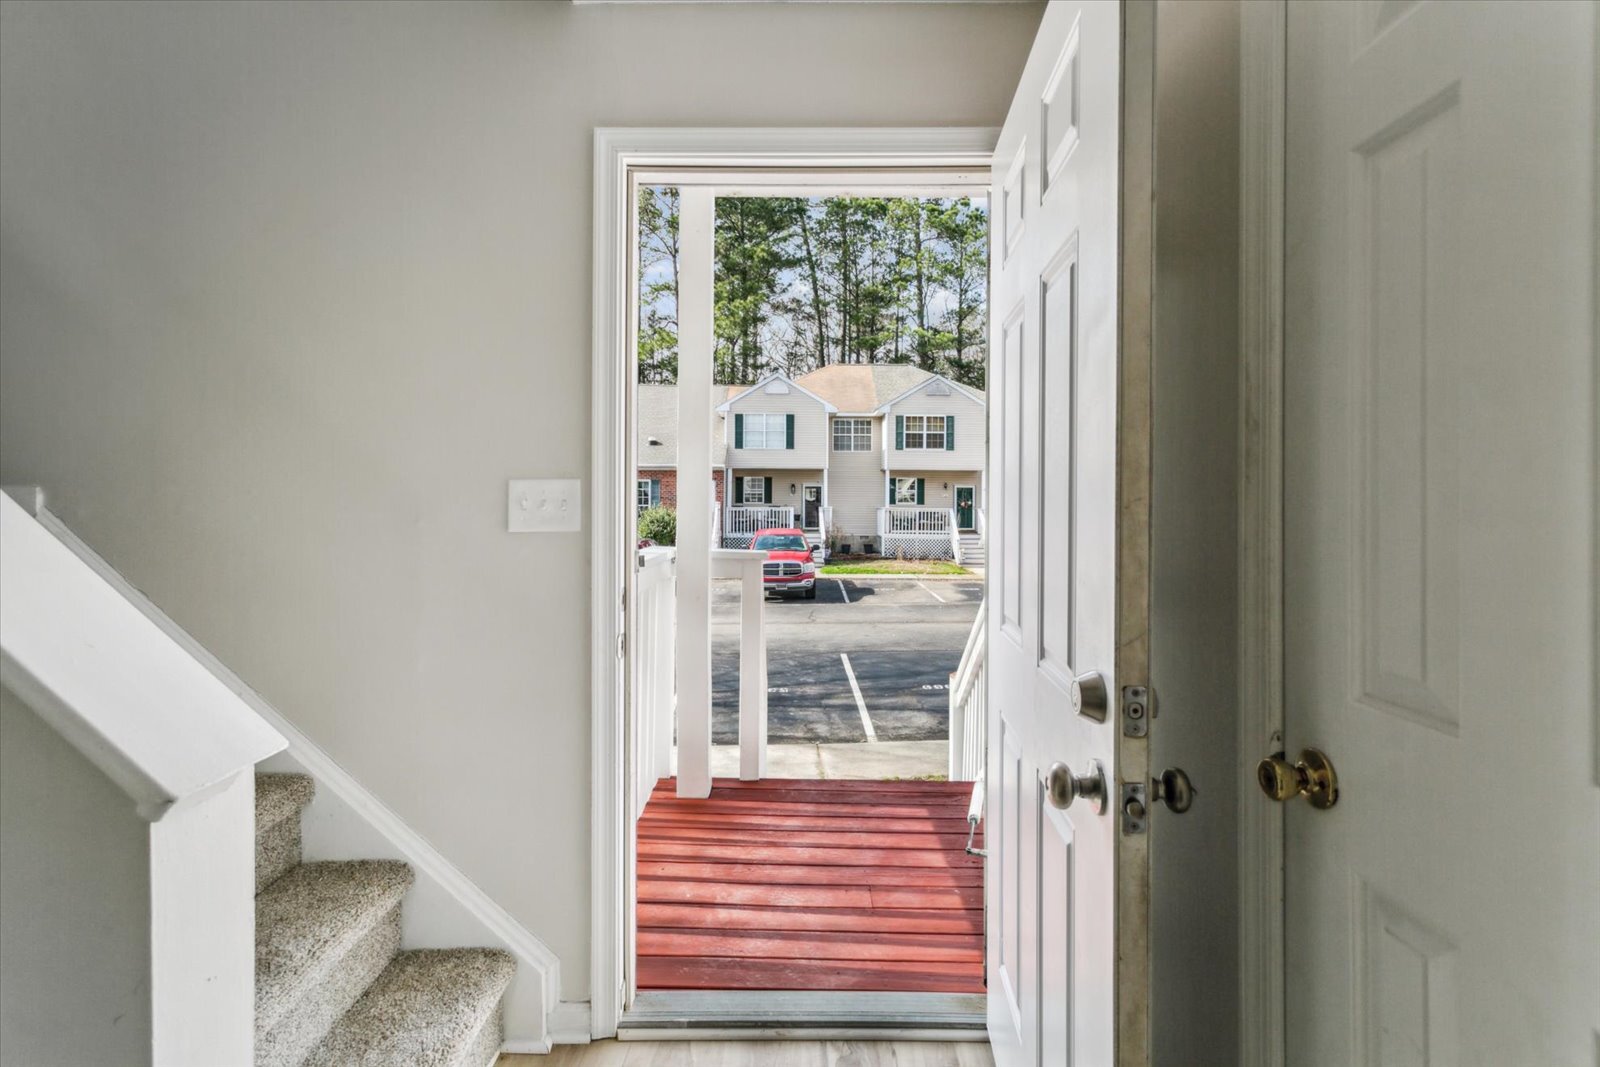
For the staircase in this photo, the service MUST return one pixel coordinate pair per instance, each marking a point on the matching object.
(972, 551)
(333, 987)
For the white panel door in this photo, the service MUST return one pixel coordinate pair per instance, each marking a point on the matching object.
(1440, 486)
(1067, 889)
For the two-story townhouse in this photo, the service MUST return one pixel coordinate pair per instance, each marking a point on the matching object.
(883, 458)
(907, 456)
(775, 449)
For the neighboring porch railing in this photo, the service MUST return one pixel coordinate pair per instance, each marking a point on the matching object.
(745, 519)
(655, 652)
(969, 705)
(918, 533)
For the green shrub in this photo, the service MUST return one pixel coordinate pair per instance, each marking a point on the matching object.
(659, 524)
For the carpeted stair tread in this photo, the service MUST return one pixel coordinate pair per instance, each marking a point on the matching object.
(307, 920)
(279, 796)
(427, 1009)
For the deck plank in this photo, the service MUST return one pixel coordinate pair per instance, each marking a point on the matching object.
(718, 972)
(831, 885)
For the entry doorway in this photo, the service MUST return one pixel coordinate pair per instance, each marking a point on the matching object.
(942, 984)
(966, 507)
(811, 507)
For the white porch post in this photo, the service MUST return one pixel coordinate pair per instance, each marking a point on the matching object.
(753, 676)
(695, 501)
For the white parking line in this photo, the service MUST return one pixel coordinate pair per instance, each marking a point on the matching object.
(866, 721)
(931, 593)
(842, 590)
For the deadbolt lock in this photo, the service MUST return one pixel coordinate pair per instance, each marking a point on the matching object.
(1312, 776)
(1175, 790)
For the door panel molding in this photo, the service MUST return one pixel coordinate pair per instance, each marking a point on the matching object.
(1262, 106)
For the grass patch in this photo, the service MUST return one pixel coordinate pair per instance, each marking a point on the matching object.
(894, 566)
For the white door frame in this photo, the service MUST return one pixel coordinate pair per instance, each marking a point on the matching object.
(1263, 27)
(804, 159)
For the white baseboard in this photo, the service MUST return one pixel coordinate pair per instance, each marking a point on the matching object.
(444, 908)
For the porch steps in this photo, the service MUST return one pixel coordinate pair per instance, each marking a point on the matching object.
(332, 986)
(973, 553)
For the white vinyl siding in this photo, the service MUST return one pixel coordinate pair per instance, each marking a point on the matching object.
(811, 442)
(852, 435)
(855, 487)
(971, 424)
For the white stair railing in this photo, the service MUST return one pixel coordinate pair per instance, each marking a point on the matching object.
(955, 537)
(983, 528)
(144, 705)
(654, 660)
(969, 704)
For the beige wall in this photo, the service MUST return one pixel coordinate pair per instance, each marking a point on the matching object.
(810, 430)
(289, 290)
(971, 451)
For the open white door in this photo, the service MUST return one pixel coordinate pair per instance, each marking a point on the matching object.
(1068, 871)
(1440, 555)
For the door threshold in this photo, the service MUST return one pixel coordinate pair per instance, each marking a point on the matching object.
(710, 1014)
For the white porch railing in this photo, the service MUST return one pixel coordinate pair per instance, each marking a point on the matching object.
(918, 533)
(969, 705)
(661, 720)
(655, 654)
(982, 527)
(745, 519)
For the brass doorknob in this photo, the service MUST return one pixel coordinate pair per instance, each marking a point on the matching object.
(1064, 787)
(1312, 776)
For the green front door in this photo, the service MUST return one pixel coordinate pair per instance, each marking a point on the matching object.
(964, 516)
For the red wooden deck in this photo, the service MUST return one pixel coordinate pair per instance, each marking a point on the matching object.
(835, 885)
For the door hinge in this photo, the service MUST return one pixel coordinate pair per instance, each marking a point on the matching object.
(1138, 708)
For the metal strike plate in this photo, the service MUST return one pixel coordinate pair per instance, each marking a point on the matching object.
(1135, 808)
(1138, 708)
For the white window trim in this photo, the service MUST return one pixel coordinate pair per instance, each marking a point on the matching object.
(766, 432)
(925, 447)
(760, 483)
(900, 486)
(863, 439)
(643, 493)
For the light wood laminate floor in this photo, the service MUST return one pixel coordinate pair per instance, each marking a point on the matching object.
(762, 1054)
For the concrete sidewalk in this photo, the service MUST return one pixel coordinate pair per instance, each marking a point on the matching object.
(861, 760)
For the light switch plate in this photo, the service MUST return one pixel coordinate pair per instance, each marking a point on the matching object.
(544, 505)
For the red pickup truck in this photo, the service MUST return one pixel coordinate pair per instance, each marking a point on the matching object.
(791, 565)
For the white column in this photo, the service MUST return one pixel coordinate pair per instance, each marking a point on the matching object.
(752, 677)
(694, 494)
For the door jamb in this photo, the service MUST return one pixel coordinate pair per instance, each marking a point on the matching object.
(1263, 49)
(617, 151)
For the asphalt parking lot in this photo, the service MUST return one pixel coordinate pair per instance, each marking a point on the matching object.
(898, 638)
